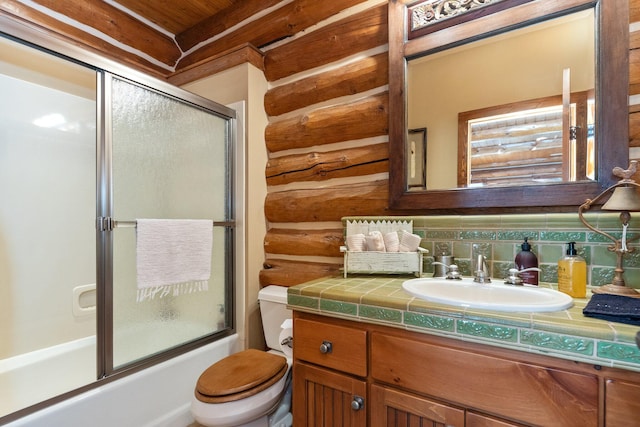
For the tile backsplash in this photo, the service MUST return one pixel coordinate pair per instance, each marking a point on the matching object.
(498, 238)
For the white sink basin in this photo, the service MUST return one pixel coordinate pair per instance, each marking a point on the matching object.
(491, 296)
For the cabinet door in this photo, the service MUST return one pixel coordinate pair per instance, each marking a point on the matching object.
(323, 398)
(394, 408)
(622, 407)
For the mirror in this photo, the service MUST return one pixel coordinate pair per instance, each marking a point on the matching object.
(509, 129)
(551, 78)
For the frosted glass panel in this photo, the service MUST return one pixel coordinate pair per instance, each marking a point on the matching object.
(169, 162)
(47, 226)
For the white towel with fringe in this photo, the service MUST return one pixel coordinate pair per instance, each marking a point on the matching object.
(173, 256)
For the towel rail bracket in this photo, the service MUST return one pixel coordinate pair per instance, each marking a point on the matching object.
(104, 223)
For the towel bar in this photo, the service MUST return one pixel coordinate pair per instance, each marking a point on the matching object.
(108, 224)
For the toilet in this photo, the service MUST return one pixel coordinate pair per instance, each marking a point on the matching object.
(251, 388)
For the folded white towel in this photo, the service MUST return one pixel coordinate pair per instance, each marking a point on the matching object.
(409, 242)
(172, 256)
(356, 242)
(391, 241)
(375, 241)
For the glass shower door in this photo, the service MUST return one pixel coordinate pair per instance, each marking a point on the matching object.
(170, 160)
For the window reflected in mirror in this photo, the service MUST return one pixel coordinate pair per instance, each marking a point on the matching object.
(519, 145)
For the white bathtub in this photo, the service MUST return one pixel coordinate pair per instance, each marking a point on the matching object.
(155, 397)
(39, 375)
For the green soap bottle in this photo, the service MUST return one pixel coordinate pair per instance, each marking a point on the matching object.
(572, 273)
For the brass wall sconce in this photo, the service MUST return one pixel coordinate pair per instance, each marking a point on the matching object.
(625, 199)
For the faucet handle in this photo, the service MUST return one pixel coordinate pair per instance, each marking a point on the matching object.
(453, 273)
(514, 276)
(451, 270)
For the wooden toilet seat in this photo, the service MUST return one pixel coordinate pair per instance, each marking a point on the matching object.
(239, 376)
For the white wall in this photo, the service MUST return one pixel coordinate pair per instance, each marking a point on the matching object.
(47, 214)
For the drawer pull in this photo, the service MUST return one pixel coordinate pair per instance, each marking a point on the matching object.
(326, 347)
(357, 403)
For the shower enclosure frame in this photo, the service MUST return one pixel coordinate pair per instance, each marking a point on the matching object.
(23, 32)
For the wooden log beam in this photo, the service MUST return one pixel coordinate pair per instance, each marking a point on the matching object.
(290, 273)
(19, 12)
(328, 203)
(634, 126)
(634, 10)
(222, 21)
(524, 132)
(277, 25)
(357, 77)
(333, 164)
(516, 157)
(518, 173)
(356, 33)
(120, 26)
(634, 40)
(304, 242)
(224, 61)
(364, 118)
(634, 63)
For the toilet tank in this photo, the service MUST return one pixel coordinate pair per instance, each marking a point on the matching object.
(273, 309)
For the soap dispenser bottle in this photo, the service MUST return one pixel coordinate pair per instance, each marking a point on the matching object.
(572, 273)
(527, 259)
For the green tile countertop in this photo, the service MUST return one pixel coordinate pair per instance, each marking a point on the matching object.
(566, 334)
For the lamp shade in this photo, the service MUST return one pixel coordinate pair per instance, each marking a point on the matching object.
(624, 198)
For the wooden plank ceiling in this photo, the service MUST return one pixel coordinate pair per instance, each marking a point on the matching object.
(176, 16)
(194, 21)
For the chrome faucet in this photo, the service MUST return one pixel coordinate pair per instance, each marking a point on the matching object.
(481, 272)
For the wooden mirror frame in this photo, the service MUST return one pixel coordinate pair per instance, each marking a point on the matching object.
(612, 108)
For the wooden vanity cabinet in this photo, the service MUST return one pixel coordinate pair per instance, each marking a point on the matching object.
(405, 378)
(329, 374)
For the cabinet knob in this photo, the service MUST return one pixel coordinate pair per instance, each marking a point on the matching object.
(326, 347)
(357, 403)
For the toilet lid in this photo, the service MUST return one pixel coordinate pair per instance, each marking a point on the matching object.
(239, 376)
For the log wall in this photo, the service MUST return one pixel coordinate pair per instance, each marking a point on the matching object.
(327, 142)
